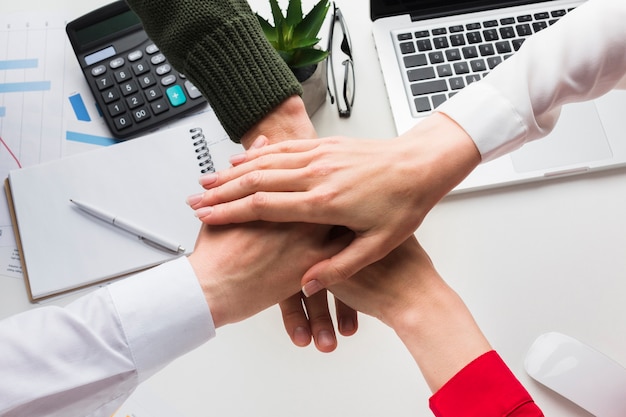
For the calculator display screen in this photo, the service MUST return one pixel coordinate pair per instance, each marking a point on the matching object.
(106, 27)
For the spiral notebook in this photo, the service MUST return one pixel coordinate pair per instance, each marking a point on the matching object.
(145, 180)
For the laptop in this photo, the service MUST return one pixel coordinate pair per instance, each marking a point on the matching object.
(431, 49)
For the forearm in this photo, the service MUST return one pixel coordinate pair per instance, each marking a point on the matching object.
(520, 100)
(93, 353)
(440, 333)
(465, 375)
(221, 48)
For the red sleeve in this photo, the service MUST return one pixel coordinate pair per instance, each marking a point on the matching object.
(485, 387)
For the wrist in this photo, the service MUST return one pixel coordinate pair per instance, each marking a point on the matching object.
(441, 334)
(289, 120)
(444, 147)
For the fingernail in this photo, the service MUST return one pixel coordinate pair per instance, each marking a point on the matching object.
(258, 142)
(301, 336)
(192, 200)
(208, 179)
(237, 159)
(204, 211)
(346, 325)
(311, 288)
(325, 339)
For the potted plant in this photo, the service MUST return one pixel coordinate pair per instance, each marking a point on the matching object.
(295, 38)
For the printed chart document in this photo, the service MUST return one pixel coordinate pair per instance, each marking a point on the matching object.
(32, 71)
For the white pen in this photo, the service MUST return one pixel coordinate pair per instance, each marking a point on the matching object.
(129, 227)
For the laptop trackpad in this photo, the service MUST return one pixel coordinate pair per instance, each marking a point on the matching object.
(578, 138)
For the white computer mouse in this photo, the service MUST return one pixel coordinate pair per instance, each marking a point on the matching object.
(578, 372)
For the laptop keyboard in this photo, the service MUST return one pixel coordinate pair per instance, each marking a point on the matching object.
(440, 61)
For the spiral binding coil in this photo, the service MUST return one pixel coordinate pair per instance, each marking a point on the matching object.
(202, 150)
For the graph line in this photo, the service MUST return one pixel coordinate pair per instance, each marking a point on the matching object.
(10, 152)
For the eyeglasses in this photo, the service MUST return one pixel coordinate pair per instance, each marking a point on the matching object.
(344, 102)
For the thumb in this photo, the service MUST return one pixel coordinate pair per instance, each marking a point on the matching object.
(361, 252)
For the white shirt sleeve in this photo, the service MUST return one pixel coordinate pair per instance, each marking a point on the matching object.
(87, 358)
(579, 58)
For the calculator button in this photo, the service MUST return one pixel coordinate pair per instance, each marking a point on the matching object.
(140, 68)
(152, 49)
(129, 87)
(134, 101)
(147, 80)
(99, 70)
(141, 114)
(116, 63)
(105, 82)
(110, 95)
(122, 122)
(192, 90)
(116, 108)
(122, 75)
(159, 106)
(135, 55)
(153, 93)
(168, 80)
(176, 95)
(157, 59)
(163, 69)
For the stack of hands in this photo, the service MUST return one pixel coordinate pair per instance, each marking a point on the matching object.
(365, 254)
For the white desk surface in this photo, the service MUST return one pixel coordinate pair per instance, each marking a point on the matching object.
(527, 259)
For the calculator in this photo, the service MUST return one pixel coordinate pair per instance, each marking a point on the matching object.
(134, 85)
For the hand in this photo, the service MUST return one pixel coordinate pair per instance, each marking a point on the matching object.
(381, 190)
(405, 292)
(245, 269)
(303, 317)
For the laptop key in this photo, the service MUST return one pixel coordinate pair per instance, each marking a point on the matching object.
(444, 70)
(493, 61)
(523, 30)
(478, 65)
(507, 32)
(470, 52)
(457, 83)
(474, 37)
(457, 40)
(490, 35)
(438, 100)
(415, 60)
(407, 48)
(429, 87)
(436, 57)
(486, 49)
(440, 42)
(461, 68)
(420, 74)
(422, 104)
(424, 45)
(453, 54)
(503, 47)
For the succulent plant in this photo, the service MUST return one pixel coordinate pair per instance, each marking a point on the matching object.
(295, 35)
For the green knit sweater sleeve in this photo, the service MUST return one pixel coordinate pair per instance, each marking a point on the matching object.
(220, 47)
